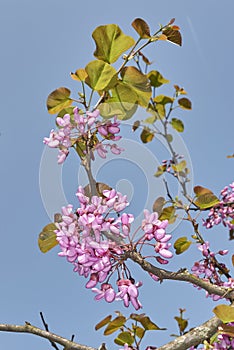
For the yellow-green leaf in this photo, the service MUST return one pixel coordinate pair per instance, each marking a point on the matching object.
(180, 166)
(162, 99)
(103, 322)
(161, 169)
(114, 325)
(146, 135)
(138, 82)
(141, 27)
(58, 99)
(206, 200)
(80, 74)
(156, 79)
(139, 331)
(185, 103)
(224, 312)
(148, 324)
(101, 75)
(124, 338)
(47, 238)
(168, 213)
(111, 42)
(182, 323)
(181, 245)
(177, 124)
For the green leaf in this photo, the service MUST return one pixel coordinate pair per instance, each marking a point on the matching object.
(47, 238)
(177, 124)
(114, 325)
(101, 75)
(141, 27)
(224, 312)
(180, 166)
(206, 200)
(168, 213)
(156, 79)
(103, 322)
(151, 120)
(158, 204)
(146, 135)
(181, 245)
(138, 82)
(169, 137)
(124, 338)
(58, 99)
(162, 99)
(185, 103)
(80, 74)
(111, 42)
(173, 35)
(161, 169)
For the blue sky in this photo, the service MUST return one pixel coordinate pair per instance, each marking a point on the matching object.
(41, 42)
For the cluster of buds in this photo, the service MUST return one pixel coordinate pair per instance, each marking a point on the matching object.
(82, 131)
(224, 211)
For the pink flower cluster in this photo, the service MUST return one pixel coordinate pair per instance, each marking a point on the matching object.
(224, 211)
(93, 239)
(82, 239)
(155, 229)
(207, 270)
(71, 128)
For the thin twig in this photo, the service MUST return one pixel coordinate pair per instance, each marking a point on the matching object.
(53, 344)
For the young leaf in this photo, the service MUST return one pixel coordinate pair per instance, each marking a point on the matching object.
(100, 75)
(124, 338)
(80, 74)
(136, 125)
(185, 103)
(161, 169)
(173, 35)
(139, 331)
(199, 190)
(141, 27)
(180, 166)
(148, 324)
(146, 135)
(206, 200)
(114, 325)
(181, 245)
(58, 99)
(158, 204)
(224, 312)
(103, 322)
(47, 238)
(182, 323)
(177, 124)
(162, 99)
(156, 79)
(111, 42)
(168, 213)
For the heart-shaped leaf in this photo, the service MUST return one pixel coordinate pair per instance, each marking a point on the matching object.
(111, 42)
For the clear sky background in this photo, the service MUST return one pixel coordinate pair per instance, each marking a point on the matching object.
(41, 42)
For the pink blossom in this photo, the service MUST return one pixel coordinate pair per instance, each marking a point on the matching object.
(128, 292)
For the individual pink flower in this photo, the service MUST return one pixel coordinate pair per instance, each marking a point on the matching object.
(128, 292)
(106, 292)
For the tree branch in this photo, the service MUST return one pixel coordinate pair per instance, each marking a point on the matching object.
(194, 337)
(181, 275)
(52, 337)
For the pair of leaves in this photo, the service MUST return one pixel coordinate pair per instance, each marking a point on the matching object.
(205, 198)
